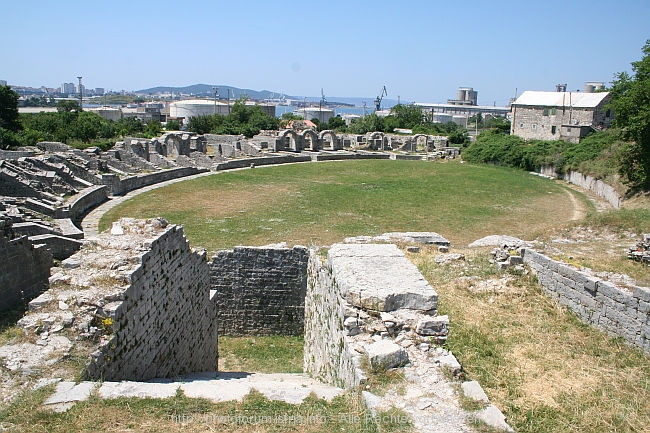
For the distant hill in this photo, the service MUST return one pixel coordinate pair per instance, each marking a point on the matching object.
(207, 90)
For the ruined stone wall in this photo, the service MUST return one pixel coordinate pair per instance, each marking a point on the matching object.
(86, 200)
(24, 270)
(119, 186)
(600, 303)
(164, 324)
(327, 355)
(260, 291)
(246, 162)
(12, 155)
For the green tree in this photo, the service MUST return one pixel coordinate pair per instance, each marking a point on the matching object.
(172, 125)
(67, 105)
(631, 104)
(9, 109)
(88, 126)
(336, 123)
(153, 129)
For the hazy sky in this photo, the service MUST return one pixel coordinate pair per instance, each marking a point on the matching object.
(420, 50)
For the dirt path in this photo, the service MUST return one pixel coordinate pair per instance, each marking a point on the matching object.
(579, 209)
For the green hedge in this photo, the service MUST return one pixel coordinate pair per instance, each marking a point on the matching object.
(597, 154)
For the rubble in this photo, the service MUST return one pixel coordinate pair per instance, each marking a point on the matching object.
(641, 251)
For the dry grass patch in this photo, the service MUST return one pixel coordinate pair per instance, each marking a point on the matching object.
(546, 370)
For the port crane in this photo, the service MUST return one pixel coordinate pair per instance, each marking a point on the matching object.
(379, 98)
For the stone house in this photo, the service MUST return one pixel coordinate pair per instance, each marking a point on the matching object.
(565, 116)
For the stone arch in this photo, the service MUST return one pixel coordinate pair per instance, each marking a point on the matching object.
(314, 140)
(288, 140)
(335, 143)
(376, 140)
(427, 142)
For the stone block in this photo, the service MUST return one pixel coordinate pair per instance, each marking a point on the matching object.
(642, 293)
(450, 362)
(473, 390)
(433, 326)
(379, 277)
(612, 291)
(385, 354)
(493, 417)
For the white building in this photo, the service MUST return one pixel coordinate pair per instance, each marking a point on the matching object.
(321, 113)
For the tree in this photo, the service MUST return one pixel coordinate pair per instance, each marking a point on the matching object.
(67, 105)
(631, 105)
(9, 119)
(172, 125)
(153, 129)
(9, 109)
(88, 126)
(336, 123)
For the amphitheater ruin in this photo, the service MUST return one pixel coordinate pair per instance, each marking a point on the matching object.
(146, 305)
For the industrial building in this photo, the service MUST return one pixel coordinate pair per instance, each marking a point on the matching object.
(183, 110)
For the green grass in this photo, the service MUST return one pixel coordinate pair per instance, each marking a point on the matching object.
(637, 220)
(255, 413)
(323, 203)
(261, 354)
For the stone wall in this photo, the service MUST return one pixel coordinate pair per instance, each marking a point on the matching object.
(597, 186)
(246, 162)
(24, 271)
(119, 186)
(327, 355)
(12, 155)
(615, 310)
(164, 323)
(86, 200)
(260, 291)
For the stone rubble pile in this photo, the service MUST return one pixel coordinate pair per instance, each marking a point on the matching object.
(641, 251)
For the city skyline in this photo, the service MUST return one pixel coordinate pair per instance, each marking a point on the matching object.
(421, 51)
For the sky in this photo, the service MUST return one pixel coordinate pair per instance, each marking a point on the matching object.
(422, 51)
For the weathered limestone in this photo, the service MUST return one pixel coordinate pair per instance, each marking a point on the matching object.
(613, 309)
(24, 268)
(163, 323)
(384, 354)
(260, 291)
(379, 277)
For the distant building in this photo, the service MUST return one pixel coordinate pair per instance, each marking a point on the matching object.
(321, 113)
(108, 113)
(99, 91)
(465, 96)
(3, 82)
(565, 116)
(183, 110)
(68, 88)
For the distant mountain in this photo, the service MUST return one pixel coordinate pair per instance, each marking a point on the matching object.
(208, 91)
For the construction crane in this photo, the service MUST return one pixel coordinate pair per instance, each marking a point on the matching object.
(379, 98)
